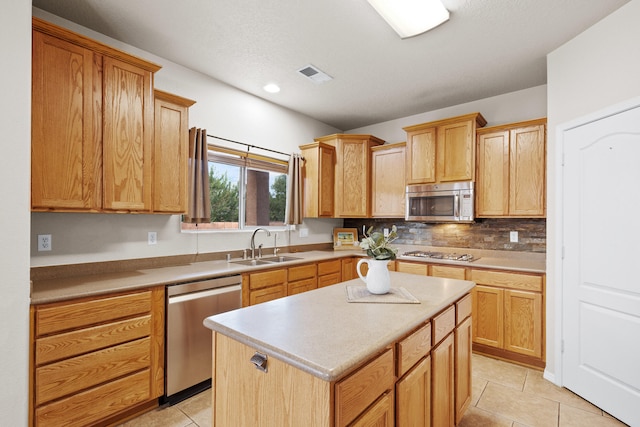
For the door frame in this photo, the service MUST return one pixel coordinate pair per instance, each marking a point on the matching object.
(555, 304)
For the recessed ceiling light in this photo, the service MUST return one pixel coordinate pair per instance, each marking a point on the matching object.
(272, 88)
(411, 17)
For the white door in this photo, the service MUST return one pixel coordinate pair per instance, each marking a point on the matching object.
(601, 267)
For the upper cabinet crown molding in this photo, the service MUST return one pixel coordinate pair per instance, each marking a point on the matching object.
(442, 150)
(61, 33)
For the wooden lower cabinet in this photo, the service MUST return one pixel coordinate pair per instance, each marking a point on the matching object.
(509, 315)
(95, 360)
(407, 384)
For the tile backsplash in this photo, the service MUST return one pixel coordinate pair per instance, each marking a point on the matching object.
(485, 233)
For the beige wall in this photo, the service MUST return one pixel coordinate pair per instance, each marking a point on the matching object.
(597, 69)
(15, 113)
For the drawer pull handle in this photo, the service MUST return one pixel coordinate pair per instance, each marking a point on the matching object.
(260, 360)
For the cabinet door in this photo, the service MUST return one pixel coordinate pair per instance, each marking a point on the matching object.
(170, 153)
(487, 314)
(455, 155)
(413, 396)
(380, 414)
(442, 371)
(303, 285)
(65, 129)
(527, 184)
(463, 338)
(523, 322)
(348, 269)
(421, 156)
(492, 191)
(318, 173)
(352, 181)
(267, 294)
(127, 136)
(388, 181)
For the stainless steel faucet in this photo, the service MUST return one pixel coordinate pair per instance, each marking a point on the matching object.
(253, 240)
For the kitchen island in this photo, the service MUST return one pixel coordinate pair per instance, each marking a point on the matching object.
(320, 358)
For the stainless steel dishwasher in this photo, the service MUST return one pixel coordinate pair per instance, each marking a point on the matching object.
(188, 342)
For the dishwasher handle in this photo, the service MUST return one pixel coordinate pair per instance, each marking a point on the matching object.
(203, 294)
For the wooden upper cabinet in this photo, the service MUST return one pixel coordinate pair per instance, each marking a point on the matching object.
(352, 173)
(318, 176)
(511, 170)
(388, 180)
(170, 152)
(92, 125)
(442, 151)
(65, 144)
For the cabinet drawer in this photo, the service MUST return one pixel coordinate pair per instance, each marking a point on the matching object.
(267, 278)
(413, 348)
(463, 309)
(411, 267)
(302, 272)
(300, 286)
(70, 344)
(85, 408)
(356, 392)
(447, 272)
(67, 316)
(329, 279)
(328, 267)
(72, 375)
(525, 282)
(443, 324)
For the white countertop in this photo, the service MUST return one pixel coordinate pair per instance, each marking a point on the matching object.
(323, 334)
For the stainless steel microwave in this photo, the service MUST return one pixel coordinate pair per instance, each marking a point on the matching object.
(446, 202)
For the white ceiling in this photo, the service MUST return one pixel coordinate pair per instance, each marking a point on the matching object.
(487, 48)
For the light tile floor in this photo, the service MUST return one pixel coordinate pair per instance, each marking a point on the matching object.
(504, 395)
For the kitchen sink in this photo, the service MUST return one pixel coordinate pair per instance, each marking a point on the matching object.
(266, 260)
(251, 262)
(279, 258)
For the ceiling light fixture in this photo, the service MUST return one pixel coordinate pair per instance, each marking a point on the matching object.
(271, 88)
(411, 17)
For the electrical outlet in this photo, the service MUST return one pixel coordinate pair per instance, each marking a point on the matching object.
(152, 238)
(513, 236)
(304, 232)
(385, 232)
(44, 242)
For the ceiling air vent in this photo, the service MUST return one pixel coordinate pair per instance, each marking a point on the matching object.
(314, 74)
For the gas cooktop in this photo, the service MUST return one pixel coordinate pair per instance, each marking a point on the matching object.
(440, 255)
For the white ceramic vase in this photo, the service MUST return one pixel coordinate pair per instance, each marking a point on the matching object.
(377, 279)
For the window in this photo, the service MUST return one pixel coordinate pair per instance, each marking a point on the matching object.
(244, 192)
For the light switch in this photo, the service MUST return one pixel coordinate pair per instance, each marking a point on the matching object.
(513, 237)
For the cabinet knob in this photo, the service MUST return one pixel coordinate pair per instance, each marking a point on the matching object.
(260, 361)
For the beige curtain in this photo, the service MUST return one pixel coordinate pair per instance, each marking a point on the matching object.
(293, 211)
(199, 205)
